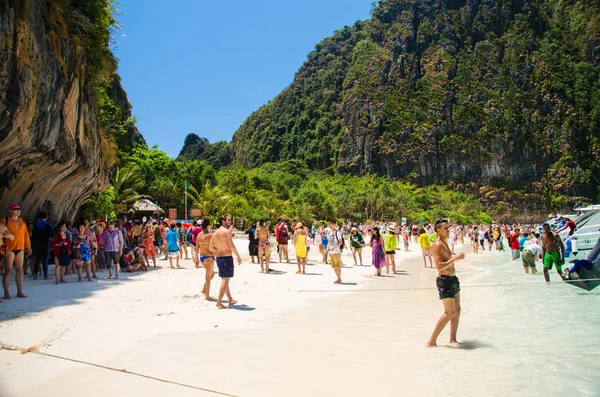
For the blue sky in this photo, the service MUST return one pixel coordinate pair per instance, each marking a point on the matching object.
(204, 66)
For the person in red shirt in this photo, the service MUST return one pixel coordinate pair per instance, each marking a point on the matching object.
(515, 247)
(571, 225)
(59, 242)
(282, 237)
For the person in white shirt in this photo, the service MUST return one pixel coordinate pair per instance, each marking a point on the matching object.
(335, 253)
(530, 254)
(481, 236)
(452, 239)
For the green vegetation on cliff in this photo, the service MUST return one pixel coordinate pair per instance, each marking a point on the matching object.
(288, 188)
(468, 93)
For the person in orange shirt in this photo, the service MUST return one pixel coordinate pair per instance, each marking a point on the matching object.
(14, 249)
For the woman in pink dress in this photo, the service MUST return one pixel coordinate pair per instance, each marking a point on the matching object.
(378, 255)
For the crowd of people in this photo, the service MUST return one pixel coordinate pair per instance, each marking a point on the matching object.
(88, 247)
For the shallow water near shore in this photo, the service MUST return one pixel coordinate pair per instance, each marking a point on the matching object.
(533, 339)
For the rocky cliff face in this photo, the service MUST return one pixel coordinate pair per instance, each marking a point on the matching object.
(51, 149)
(466, 92)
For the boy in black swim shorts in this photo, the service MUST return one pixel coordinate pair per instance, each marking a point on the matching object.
(447, 283)
(448, 286)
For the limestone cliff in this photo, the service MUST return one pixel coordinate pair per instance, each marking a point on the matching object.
(467, 92)
(53, 156)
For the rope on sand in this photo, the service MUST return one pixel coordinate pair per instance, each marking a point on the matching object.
(35, 350)
(429, 288)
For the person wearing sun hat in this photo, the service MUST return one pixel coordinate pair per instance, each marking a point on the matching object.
(15, 249)
(357, 242)
(300, 247)
(389, 247)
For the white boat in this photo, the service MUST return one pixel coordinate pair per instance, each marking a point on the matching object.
(587, 234)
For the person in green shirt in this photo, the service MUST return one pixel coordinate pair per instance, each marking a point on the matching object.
(389, 246)
(357, 242)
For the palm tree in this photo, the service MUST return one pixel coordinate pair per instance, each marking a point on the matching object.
(234, 206)
(210, 200)
(125, 182)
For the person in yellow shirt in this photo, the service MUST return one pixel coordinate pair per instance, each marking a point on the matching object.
(389, 247)
(425, 244)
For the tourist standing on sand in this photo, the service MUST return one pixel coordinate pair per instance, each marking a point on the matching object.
(318, 240)
(452, 239)
(282, 236)
(40, 243)
(300, 247)
(195, 230)
(82, 244)
(99, 259)
(15, 249)
(356, 243)
(61, 248)
(264, 255)
(149, 249)
(207, 258)
(335, 241)
(164, 230)
(378, 254)
(172, 245)
(447, 284)
(182, 232)
(5, 234)
(389, 247)
(425, 244)
(415, 233)
(252, 242)
(553, 252)
(406, 238)
(221, 244)
(113, 248)
(158, 243)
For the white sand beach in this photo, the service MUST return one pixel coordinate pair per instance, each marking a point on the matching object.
(352, 340)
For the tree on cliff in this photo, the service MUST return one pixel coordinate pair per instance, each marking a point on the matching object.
(500, 93)
(125, 183)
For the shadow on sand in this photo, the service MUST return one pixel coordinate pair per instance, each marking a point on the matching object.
(45, 294)
(242, 308)
(276, 272)
(468, 345)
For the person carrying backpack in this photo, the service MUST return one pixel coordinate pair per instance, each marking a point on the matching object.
(334, 247)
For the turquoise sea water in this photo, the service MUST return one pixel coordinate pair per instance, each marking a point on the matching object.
(531, 340)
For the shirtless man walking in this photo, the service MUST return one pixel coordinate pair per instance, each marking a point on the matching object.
(262, 234)
(553, 252)
(221, 244)
(447, 283)
(207, 258)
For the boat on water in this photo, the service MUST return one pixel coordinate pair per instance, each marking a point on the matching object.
(586, 235)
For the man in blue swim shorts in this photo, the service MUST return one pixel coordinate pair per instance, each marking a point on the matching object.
(221, 244)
